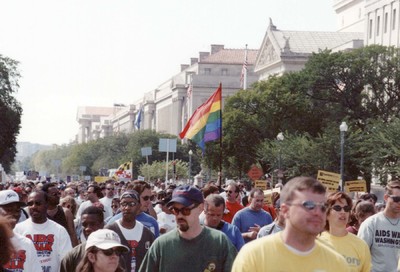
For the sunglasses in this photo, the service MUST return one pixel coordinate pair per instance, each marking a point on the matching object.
(55, 194)
(146, 198)
(339, 208)
(109, 189)
(36, 203)
(395, 198)
(184, 211)
(311, 205)
(126, 204)
(229, 192)
(111, 251)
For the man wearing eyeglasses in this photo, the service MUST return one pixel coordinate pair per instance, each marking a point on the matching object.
(24, 257)
(146, 208)
(303, 204)
(232, 204)
(132, 233)
(109, 195)
(50, 239)
(382, 231)
(191, 247)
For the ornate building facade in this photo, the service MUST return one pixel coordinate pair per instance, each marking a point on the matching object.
(168, 107)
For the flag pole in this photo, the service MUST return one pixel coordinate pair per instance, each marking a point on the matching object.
(220, 146)
(245, 69)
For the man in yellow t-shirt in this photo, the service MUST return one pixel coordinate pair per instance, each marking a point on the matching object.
(303, 204)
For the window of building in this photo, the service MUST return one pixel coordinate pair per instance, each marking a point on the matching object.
(385, 23)
(207, 71)
(394, 19)
(189, 76)
(378, 19)
(224, 72)
(370, 28)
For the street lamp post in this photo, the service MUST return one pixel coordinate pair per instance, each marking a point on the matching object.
(343, 128)
(190, 165)
(280, 138)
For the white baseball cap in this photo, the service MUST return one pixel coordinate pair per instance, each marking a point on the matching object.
(105, 239)
(9, 196)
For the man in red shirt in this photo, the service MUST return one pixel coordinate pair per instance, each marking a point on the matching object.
(232, 205)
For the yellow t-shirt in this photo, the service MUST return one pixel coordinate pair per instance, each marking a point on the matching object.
(270, 254)
(352, 248)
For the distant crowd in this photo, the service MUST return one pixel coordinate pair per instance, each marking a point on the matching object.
(140, 226)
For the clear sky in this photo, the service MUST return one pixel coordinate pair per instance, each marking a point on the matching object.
(96, 53)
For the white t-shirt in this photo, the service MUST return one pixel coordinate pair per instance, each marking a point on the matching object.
(106, 201)
(50, 239)
(383, 239)
(133, 237)
(166, 221)
(24, 258)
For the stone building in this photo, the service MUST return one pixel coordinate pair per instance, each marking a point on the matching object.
(287, 50)
(168, 107)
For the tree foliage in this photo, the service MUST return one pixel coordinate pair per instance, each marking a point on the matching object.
(10, 109)
(111, 152)
(360, 87)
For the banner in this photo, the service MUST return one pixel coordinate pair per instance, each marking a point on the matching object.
(268, 195)
(355, 186)
(329, 179)
(260, 184)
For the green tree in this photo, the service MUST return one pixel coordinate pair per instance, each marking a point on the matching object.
(11, 111)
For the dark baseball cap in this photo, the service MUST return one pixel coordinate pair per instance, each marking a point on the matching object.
(186, 195)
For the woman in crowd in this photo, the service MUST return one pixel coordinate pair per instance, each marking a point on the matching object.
(355, 250)
(361, 211)
(103, 250)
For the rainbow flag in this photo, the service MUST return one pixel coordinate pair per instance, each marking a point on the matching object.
(205, 123)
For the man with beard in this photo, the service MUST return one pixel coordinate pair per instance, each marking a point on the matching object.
(191, 247)
(132, 233)
(24, 257)
(303, 203)
(50, 239)
(58, 214)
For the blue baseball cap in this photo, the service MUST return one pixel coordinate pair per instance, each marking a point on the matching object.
(186, 195)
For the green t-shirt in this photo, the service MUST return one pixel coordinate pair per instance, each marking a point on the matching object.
(209, 251)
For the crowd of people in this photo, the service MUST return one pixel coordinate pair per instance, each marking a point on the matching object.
(138, 226)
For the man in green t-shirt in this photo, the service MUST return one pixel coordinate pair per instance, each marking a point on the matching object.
(191, 247)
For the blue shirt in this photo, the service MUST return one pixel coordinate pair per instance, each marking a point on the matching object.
(233, 234)
(246, 218)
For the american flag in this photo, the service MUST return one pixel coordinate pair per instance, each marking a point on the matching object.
(244, 71)
(243, 75)
(189, 91)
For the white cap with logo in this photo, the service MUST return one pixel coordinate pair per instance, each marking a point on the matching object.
(9, 196)
(104, 239)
